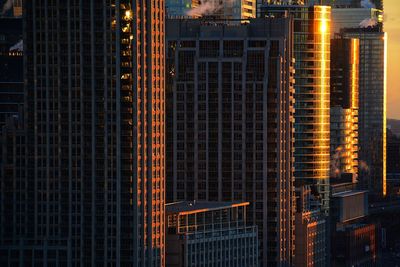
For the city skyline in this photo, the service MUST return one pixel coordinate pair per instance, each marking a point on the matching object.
(199, 133)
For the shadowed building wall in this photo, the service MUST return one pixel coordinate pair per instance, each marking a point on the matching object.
(93, 193)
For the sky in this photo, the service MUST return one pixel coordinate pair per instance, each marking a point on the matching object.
(392, 27)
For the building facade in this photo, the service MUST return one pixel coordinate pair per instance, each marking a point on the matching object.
(230, 122)
(210, 234)
(11, 69)
(372, 108)
(93, 193)
(233, 9)
(312, 130)
(354, 239)
(311, 249)
(344, 107)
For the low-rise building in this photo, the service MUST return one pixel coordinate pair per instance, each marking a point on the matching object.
(202, 233)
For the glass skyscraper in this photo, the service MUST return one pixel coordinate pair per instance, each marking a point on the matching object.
(230, 122)
(312, 95)
(372, 113)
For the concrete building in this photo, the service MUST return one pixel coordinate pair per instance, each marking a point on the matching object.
(372, 108)
(312, 94)
(344, 107)
(230, 122)
(93, 193)
(233, 9)
(210, 234)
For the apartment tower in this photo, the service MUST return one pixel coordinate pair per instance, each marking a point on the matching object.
(93, 193)
(230, 122)
(312, 95)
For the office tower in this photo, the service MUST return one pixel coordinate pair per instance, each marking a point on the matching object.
(202, 233)
(312, 55)
(230, 122)
(11, 69)
(94, 190)
(372, 108)
(344, 107)
(311, 230)
(231, 9)
(355, 18)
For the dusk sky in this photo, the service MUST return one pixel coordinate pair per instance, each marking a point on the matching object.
(392, 26)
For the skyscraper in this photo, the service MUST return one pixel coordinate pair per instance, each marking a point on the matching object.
(344, 108)
(230, 122)
(372, 108)
(312, 55)
(94, 190)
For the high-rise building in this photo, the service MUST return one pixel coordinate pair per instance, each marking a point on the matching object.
(230, 122)
(312, 55)
(94, 118)
(372, 108)
(232, 9)
(202, 233)
(344, 107)
(11, 68)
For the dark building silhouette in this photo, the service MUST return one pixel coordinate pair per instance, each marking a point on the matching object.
(393, 164)
(354, 237)
(230, 122)
(93, 190)
(11, 68)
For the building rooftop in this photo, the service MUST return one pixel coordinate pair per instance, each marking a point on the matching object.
(349, 193)
(189, 207)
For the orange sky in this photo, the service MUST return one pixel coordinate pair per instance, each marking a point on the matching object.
(392, 26)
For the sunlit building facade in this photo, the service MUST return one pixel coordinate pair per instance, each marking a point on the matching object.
(93, 194)
(312, 94)
(230, 122)
(372, 108)
(344, 107)
(234, 9)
